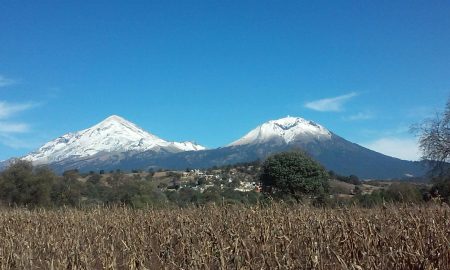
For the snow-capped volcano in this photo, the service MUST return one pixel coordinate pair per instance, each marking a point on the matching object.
(116, 143)
(288, 129)
(112, 135)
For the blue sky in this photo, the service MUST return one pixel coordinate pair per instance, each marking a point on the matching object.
(210, 71)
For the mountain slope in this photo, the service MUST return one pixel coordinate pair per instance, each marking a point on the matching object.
(331, 150)
(286, 134)
(112, 135)
(337, 154)
(118, 144)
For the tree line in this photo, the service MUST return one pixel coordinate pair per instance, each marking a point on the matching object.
(291, 176)
(21, 184)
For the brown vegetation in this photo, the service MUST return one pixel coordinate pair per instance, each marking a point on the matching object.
(227, 237)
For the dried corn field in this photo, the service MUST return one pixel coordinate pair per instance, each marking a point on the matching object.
(276, 237)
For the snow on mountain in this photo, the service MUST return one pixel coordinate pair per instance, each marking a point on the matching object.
(114, 134)
(286, 129)
(188, 146)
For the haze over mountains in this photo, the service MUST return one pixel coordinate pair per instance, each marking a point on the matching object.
(116, 143)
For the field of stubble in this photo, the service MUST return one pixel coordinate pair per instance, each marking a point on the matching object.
(232, 237)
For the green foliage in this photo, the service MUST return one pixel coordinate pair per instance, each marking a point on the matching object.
(294, 174)
(291, 175)
(404, 192)
(395, 193)
(321, 200)
(41, 186)
(211, 194)
(136, 193)
(147, 195)
(20, 184)
(94, 179)
(441, 186)
(351, 179)
(184, 196)
(68, 191)
(187, 196)
(23, 185)
(370, 200)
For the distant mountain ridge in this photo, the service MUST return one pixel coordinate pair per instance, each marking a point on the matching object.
(112, 135)
(116, 143)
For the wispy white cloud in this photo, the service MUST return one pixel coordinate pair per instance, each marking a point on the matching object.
(399, 147)
(401, 131)
(11, 130)
(359, 116)
(333, 104)
(15, 143)
(6, 127)
(4, 81)
(9, 109)
(421, 112)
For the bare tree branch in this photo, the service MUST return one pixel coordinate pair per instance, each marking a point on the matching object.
(434, 138)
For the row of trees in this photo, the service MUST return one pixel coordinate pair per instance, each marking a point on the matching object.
(23, 185)
(291, 176)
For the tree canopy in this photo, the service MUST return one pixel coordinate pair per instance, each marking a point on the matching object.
(22, 184)
(294, 174)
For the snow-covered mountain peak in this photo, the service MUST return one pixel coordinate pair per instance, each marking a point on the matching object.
(117, 125)
(286, 129)
(112, 135)
(114, 119)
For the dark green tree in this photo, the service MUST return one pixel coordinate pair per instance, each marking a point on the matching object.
(21, 184)
(15, 182)
(41, 187)
(294, 174)
(94, 178)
